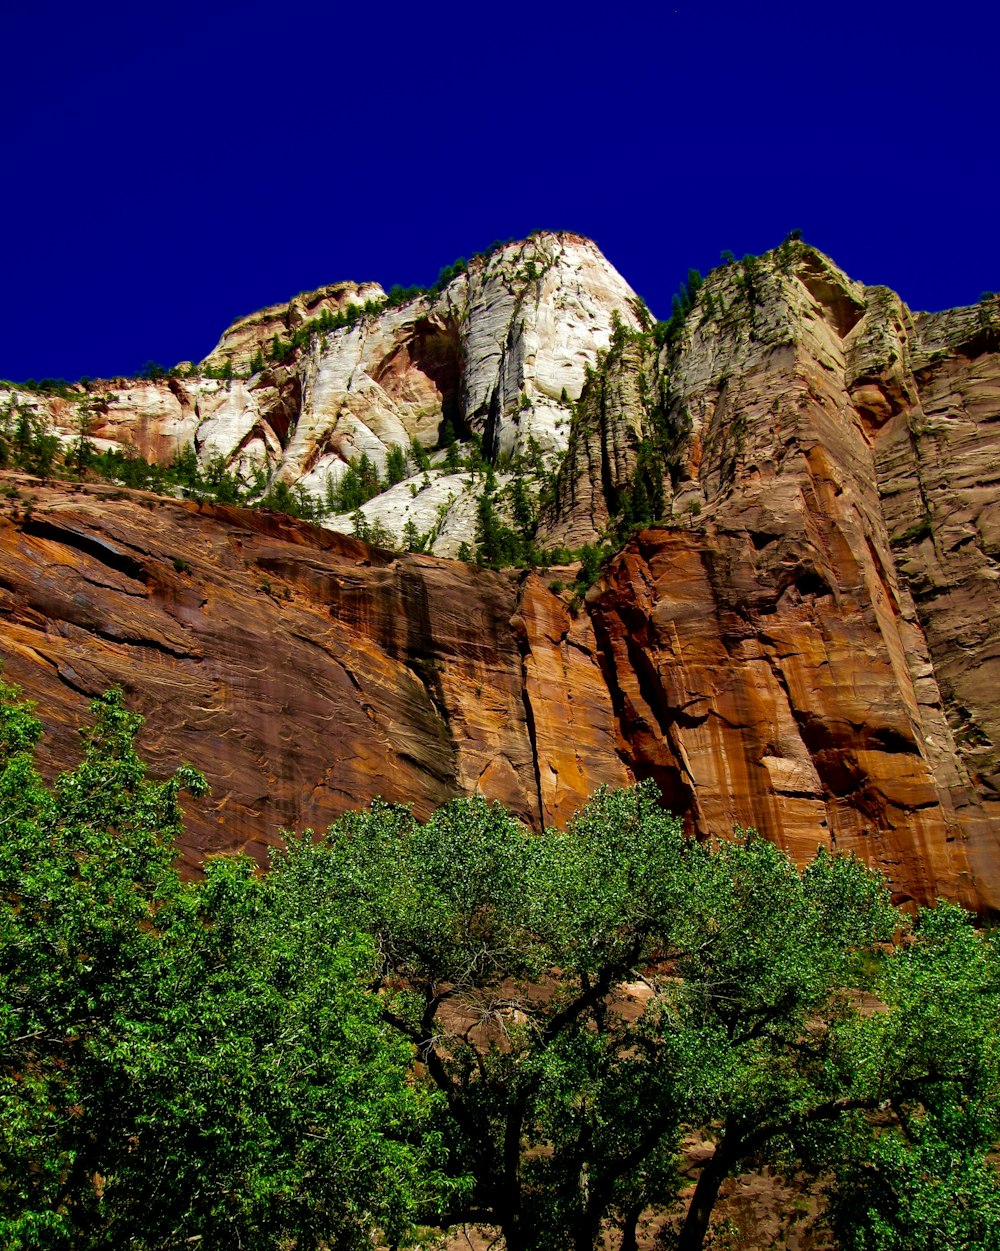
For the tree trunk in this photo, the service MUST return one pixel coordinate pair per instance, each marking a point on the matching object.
(513, 1231)
(512, 1222)
(585, 1233)
(692, 1235)
(630, 1223)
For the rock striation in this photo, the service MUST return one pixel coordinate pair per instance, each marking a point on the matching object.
(303, 671)
(803, 636)
(811, 627)
(500, 353)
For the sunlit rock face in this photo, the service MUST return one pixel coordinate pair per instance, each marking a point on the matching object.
(500, 353)
(806, 641)
(304, 672)
(810, 638)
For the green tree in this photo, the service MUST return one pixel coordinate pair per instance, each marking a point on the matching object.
(184, 1064)
(183, 469)
(419, 455)
(395, 465)
(452, 457)
(458, 1020)
(226, 487)
(413, 540)
(360, 526)
(927, 1181)
(510, 962)
(27, 444)
(522, 508)
(592, 558)
(497, 544)
(81, 452)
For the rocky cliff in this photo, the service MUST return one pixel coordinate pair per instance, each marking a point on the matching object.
(495, 357)
(798, 631)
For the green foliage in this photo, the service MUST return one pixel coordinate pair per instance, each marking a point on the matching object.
(496, 543)
(750, 279)
(450, 272)
(283, 350)
(26, 444)
(294, 501)
(184, 1064)
(474, 460)
(24, 441)
(403, 295)
(748, 1029)
(395, 465)
(374, 532)
(920, 530)
(427, 1021)
(419, 455)
(499, 544)
(413, 540)
(51, 386)
(642, 500)
(183, 473)
(359, 483)
(522, 507)
(928, 1178)
(279, 351)
(453, 457)
(592, 557)
(82, 452)
(786, 249)
(641, 310)
(666, 332)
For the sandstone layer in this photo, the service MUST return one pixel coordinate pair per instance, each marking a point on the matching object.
(499, 354)
(807, 640)
(305, 673)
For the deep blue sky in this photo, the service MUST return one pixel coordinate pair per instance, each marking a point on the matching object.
(167, 167)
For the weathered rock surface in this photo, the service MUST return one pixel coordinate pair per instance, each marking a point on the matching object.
(814, 637)
(808, 642)
(306, 673)
(302, 671)
(500, 353)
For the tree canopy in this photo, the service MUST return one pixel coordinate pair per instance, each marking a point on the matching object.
(183, 1061)
(412, 1023)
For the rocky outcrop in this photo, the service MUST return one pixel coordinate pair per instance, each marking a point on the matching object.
(304, 672)
(805, 640)
(808, 643)
(499, 355)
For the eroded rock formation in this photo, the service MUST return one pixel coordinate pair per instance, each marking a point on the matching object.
(499, 354)
(806, 641)
(303, 671)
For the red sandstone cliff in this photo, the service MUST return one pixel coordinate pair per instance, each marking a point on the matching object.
(807, 642)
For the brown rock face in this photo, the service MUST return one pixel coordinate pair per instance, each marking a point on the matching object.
(302, 671)
(306, 673)
(807, 642)
(811, 645)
